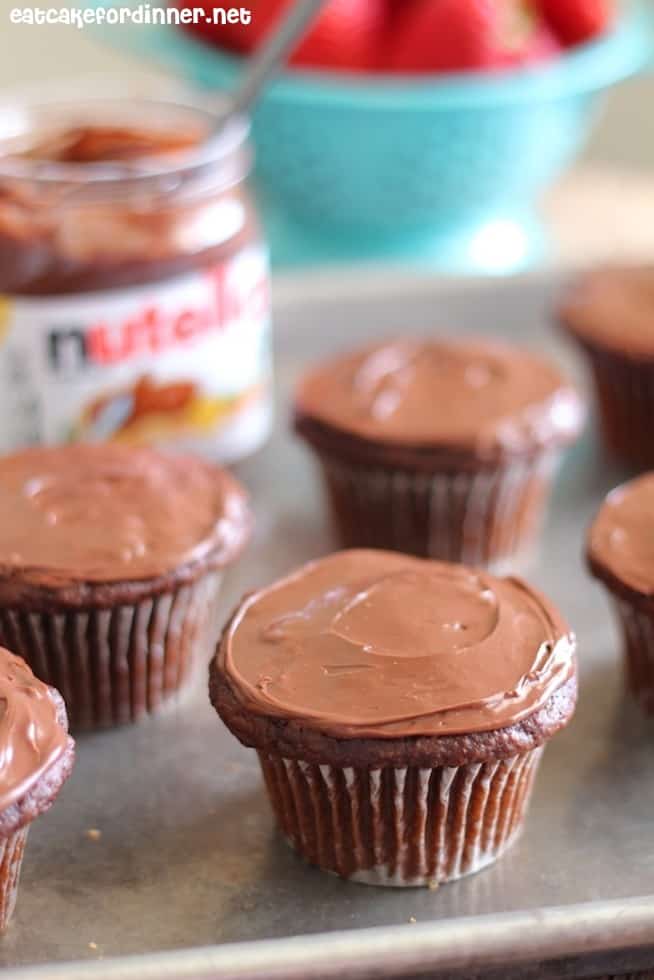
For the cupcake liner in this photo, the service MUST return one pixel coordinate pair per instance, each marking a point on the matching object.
(11, 859)
(113, 666)
(625, 395)
(400, 827)
(638, 631)
(484, 517)
(646, 975)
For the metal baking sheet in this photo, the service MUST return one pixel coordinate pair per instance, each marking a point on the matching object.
(186, 857)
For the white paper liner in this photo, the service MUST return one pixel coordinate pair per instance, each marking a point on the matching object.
(625, 395)
(400, 827)
(491, 517)
(11, 859)
(638, 631)
(113, 666)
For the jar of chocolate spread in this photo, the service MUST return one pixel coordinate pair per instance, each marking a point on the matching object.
(134, 282)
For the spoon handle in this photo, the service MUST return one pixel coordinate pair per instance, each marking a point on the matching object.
(274, 51)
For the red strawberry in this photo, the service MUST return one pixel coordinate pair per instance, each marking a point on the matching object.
(204, 29)
(347, 34)
(237, 37)
(247, 37)
(442, 35)
(459, 35)
(575, 21)
(541, 47)
(396, 8)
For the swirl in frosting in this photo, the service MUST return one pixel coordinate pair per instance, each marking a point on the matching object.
(378, 644)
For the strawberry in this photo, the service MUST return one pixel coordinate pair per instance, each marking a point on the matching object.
(236, 37)
(575, 21)
(346, 35)
(464, 35)
(542, 46)
(202, 28)
(396, 8)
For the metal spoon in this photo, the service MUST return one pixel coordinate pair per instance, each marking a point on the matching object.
(271, 56)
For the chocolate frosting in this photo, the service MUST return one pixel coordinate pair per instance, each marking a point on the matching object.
(621, 538)
(31, 736)
(107, 513)
(382, 645)
(478, 396)
(614, 308)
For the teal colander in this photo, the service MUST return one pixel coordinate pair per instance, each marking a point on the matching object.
(446, 168)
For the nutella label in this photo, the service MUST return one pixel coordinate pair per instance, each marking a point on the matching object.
(185, 363)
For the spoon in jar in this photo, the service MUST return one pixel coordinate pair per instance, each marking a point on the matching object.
(267, 60)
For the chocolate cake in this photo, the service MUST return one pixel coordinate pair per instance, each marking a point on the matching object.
(437, 448)
(609, 313)
(110, 564)
(620, 554)
(399, 708)
(36, 758)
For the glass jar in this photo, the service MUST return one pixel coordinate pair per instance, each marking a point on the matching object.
(134, 282)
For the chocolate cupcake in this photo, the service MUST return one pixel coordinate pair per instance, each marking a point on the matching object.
(110, 564)
(610, 315)
(36, 758)
(620, 554)
(399, 708)
(438, 449)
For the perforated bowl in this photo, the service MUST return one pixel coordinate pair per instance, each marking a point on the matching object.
(386, 164)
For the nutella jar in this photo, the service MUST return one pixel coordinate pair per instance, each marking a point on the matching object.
(134, 283)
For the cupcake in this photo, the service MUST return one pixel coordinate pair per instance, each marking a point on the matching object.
(620, 554)
(399, 708)
(110, 564)
(610, 315)
(36, 759)
(438, 449)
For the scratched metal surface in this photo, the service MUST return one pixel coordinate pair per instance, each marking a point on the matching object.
(187, 855)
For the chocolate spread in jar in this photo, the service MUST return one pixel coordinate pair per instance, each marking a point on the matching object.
(136, 287)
